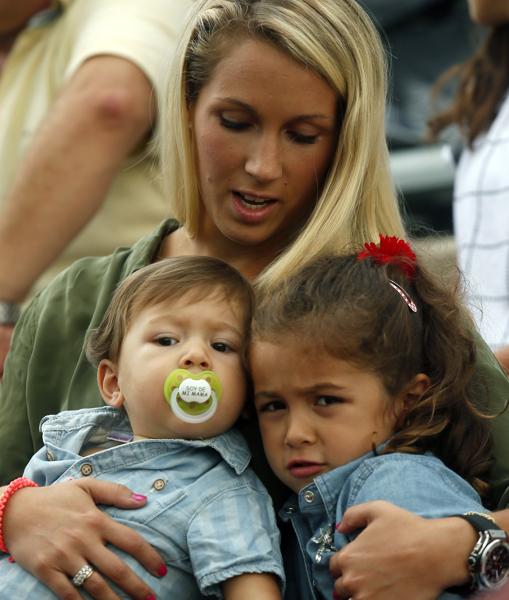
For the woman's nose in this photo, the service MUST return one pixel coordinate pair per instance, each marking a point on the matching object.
(264, 159)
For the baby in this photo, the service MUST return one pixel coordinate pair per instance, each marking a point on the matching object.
(170, 357)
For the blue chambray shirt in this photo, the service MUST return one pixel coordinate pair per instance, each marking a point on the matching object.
(419, 483)
(207, 513)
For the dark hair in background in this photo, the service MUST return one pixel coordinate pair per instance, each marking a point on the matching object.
(483, 80)
(348, 309)
(196, 277)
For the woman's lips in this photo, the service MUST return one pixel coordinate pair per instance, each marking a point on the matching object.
(252, 209)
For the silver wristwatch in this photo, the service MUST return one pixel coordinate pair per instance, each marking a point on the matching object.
(488, 562)
(9, 313)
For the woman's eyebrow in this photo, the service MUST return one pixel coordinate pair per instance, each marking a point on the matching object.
(249, 108)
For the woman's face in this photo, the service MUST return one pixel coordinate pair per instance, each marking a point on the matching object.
(265, 131)
(489, 12)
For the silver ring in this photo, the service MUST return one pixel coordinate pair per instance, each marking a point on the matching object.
(82, 575)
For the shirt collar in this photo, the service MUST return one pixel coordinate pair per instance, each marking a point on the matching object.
(230, 445)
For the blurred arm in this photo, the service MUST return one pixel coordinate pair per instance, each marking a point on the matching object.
(100, 117)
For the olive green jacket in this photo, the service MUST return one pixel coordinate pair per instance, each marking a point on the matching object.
(46, 370)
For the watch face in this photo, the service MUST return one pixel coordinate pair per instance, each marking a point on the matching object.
(496, 565)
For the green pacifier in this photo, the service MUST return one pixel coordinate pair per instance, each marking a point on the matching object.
(192, 397)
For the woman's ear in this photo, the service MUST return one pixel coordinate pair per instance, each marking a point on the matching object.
(107, 380)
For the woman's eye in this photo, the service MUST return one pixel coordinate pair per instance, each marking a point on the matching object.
(327, 400)
(232, 124)
(222, 347)
(166, 341)
(300, 138)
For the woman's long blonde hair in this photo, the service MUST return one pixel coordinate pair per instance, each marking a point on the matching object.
(338, 41)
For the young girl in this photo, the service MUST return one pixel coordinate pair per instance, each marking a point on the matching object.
(170, 358)
(362, 368)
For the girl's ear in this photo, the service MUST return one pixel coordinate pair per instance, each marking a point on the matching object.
(108, 383)
(414, 389)
(418, 385)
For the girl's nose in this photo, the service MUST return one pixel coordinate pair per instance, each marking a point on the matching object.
(299, 431)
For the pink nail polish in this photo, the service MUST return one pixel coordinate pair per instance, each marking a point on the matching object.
(138, 497)
(162, 570)
(151, 597)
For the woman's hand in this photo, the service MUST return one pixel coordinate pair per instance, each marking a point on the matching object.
(400, 555)
(53, 531)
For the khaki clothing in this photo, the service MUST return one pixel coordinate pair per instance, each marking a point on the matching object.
(44, 58)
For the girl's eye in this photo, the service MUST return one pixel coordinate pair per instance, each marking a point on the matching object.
(327, 400)
(300, 138)
(166, 341)
(232, 124)
(272, 406)
(222, 347)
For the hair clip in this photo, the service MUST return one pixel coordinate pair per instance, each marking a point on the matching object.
(391, 250)
(406, 298)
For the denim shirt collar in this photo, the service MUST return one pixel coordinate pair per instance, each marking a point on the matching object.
(327, 486)
(70, 429)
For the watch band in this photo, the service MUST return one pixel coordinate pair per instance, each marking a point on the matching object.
(488, 562)
(9, 312)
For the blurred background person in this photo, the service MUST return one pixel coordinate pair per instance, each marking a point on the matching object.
(79, 81)
(481, 191)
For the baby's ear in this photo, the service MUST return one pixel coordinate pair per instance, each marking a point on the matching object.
(107, 380)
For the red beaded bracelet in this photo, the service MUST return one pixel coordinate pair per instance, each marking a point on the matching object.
(14, 486)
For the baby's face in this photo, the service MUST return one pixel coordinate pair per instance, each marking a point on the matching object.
(316, 412)
(203, 335)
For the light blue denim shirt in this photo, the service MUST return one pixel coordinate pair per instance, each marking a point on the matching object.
(419, 483)
(207, 513)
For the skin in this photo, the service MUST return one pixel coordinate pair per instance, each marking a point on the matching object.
(203, 335)
(273, 120)
(317, 412)
(489, 12)
(109, 106)
(248, 141)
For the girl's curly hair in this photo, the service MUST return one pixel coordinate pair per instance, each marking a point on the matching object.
(348, 309)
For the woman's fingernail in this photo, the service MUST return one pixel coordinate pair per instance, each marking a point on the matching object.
(338, 525)
(138, 497)
(151, 597)
(162, 570)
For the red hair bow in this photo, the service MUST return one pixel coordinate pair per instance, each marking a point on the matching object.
(391, 250)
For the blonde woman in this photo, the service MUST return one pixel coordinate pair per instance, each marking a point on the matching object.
(274, 152)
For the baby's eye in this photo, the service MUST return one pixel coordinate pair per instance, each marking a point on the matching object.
(327, 400)
(166, 340)
(222, 347)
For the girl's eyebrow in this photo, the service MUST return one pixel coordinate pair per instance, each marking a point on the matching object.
(251, 110)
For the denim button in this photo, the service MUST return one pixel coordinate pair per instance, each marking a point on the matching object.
(86, 469)
(309, 496)
(159, 484)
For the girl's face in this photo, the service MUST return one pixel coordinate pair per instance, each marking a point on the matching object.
(489, 12)
(265, 131)
(316, 412)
